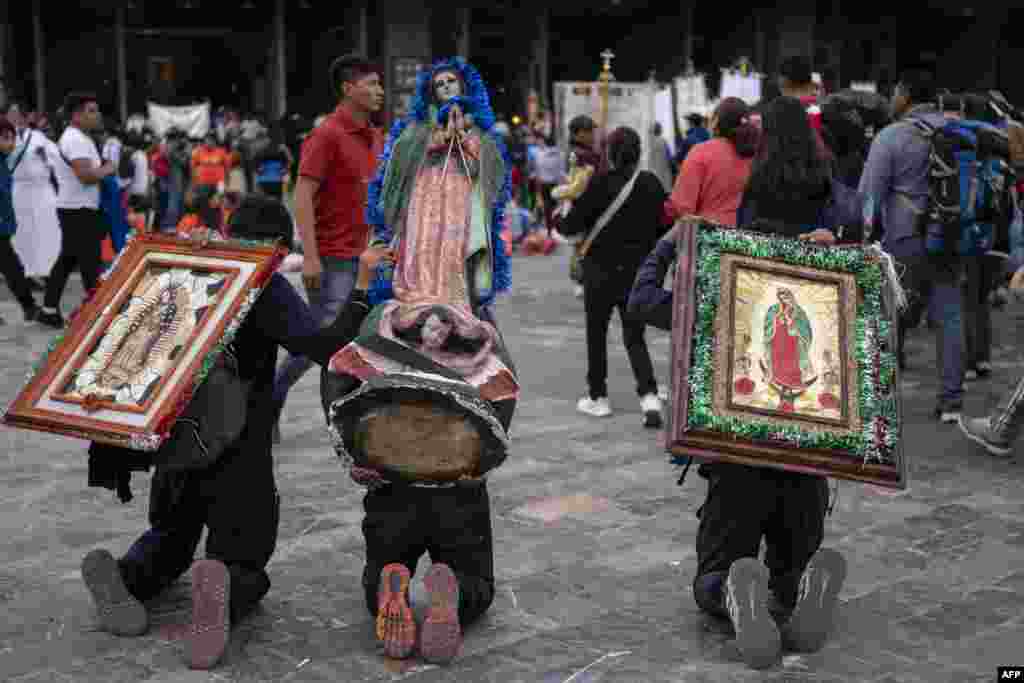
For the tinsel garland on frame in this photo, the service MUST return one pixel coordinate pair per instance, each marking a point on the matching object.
(151, 441)
(876, 440)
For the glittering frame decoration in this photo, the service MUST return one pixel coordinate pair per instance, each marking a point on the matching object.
(40, 406)
(871, 452)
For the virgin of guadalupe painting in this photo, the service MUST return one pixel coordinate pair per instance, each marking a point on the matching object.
(143, 340)
(438, 200)
(788, 329)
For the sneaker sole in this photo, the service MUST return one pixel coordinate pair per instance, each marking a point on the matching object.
(812, 618)
(441, 637)
(757, 636)
(994, 450)
(119, 612)
(208, 634)
(396, 628)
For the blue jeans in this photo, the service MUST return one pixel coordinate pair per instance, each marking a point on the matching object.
(336, 284)
(934, 284)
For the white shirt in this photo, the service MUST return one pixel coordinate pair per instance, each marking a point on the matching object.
(112, 150)
(140, 181)
(73, 194)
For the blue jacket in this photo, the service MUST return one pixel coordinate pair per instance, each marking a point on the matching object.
(898, 164)
(694, 137)
(7, 222)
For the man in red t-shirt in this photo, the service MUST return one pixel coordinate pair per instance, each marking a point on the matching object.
(339, 159)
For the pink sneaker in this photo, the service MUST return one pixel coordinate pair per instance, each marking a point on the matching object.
(441, 634)
(208, 635)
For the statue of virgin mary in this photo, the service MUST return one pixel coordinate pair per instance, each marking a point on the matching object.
(438, 200)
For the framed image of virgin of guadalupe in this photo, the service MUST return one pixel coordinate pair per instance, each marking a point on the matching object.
(131, 357)
(784, 356)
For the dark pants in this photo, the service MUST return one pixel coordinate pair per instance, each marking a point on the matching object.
(237, 500)
(934, 284)
(745, 504)
(453, 525)
(605, 290)
(14, 273)
(81, 237)
(979, 281)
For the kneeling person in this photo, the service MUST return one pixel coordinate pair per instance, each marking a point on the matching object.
(235, 497)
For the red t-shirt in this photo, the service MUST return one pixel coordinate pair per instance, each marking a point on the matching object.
(711, 182)
(342, 154)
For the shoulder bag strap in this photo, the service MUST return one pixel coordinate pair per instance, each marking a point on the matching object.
(608, 214)
(24, 149)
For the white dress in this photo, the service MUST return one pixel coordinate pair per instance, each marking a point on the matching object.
(37, 239)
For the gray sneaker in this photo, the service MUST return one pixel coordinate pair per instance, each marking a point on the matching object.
(746, 597)
(119, 612)
(979, 430)
(812, 618)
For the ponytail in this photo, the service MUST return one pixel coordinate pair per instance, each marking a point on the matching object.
(734, 125)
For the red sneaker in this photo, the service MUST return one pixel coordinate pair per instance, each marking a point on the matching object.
(396, 628)
(441, 635)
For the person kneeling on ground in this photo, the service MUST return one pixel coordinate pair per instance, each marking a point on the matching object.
(799, 587)
(235, 497)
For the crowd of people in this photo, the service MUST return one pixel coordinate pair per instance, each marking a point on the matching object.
(806, 165)
(77, 182)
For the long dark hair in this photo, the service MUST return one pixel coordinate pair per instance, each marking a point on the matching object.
(789, 163)
(734, 125)
(624, 149)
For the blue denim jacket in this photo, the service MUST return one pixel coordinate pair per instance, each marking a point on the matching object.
(898, 165)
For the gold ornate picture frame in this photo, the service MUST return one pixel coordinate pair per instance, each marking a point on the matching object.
(127, 364)
(784, 357)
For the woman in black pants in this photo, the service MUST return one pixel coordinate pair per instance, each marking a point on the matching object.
(622, 214)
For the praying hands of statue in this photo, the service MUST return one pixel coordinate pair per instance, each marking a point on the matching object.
(456, 124)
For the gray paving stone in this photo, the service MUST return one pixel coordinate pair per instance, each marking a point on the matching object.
(594, 544)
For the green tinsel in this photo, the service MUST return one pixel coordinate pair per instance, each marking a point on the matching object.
(877, 400)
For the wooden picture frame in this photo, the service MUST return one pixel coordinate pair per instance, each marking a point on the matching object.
(783, 356)
(125, 367)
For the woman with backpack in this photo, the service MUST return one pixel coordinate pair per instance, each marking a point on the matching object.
(621, 212)
(714, 173)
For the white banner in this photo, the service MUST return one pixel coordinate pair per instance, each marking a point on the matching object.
(864, 86)
(193, 119)
(747, 88)
(663, 115)
(692, 98)
(629, 104)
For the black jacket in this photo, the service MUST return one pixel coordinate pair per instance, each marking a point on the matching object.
(634, 230)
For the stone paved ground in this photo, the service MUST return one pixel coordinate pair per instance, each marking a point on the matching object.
(594, 545)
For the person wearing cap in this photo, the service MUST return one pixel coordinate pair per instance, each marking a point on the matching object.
(796, 79)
